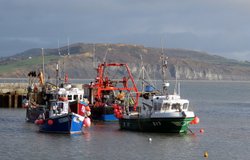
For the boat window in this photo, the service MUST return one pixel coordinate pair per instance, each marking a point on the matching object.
(75, 97)
(166, 107)
(176, 106)
(185, 105)
(157, 107)
(62, 95)
(60, 105)
(53, 104)
(69, 97)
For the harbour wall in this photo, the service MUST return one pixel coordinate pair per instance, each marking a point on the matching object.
(12, 94)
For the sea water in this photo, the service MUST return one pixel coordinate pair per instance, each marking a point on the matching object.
(223, 109)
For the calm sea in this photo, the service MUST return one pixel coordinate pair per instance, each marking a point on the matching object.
(223, 109)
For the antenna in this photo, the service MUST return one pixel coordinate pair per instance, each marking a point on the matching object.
(58, 48)
(57, 74)
(68, 47)
(179, 89)
(93, 56)
(43, 63)
(176, 85)
(164, 68)
(143, 73)
(105, 56)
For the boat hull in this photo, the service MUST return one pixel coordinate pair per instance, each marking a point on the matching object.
(66, 124)
(165, 125)
(103, 113)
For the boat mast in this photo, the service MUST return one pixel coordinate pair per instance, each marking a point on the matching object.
(43, 64)
(57, 75)
(68, 48)
(62, 75)
(143, 74)
(93, 56)
(58, 64)
(164, 68)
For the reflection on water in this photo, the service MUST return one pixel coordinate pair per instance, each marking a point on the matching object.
(223, 109)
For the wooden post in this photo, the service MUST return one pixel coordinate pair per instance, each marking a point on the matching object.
(10, 100)
(16, 101)
(1, 100)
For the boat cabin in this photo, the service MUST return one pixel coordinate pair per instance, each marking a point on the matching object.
(72, 94)
(58, 108)
(170, 103)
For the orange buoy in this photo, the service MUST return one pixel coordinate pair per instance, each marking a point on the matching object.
(36, 121)
(50, 122)
(202, 130)
(196, 120)
(192, 122)
(39, 121)
(87, 108)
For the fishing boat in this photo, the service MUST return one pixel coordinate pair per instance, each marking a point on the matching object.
(158, 111)
(40, 93)
(167, 113)
(62, 118)
(108, 88)
(38, 101)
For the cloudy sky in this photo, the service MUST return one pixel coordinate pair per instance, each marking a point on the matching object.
(220, 27)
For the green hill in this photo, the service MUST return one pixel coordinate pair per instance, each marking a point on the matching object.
(83, 58)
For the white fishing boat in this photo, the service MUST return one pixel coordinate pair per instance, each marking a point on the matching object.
(158, 111)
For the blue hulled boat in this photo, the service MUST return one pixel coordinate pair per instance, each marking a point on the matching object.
(70, 123)
(64, 118)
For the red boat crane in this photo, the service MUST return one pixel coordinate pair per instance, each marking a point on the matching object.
(104, 83)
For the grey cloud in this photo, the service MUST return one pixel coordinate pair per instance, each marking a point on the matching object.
(210, 25)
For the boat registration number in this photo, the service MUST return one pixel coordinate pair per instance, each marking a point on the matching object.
(63, 120)
(157, 123)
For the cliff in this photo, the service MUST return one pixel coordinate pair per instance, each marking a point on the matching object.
(83, 59)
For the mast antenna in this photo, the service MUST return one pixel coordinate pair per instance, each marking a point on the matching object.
(105, 56)
(58, 45)
(68, 47)
(93, 56)
(43, 63)
(164, 68)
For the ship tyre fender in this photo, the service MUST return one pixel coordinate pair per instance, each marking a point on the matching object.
(183, 114)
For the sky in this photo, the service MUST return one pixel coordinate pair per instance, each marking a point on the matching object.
(218, 27)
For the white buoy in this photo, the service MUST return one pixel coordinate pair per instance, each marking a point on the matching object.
(150, 139)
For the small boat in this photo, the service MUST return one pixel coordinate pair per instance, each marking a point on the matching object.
(158, 111)
(61, 119)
